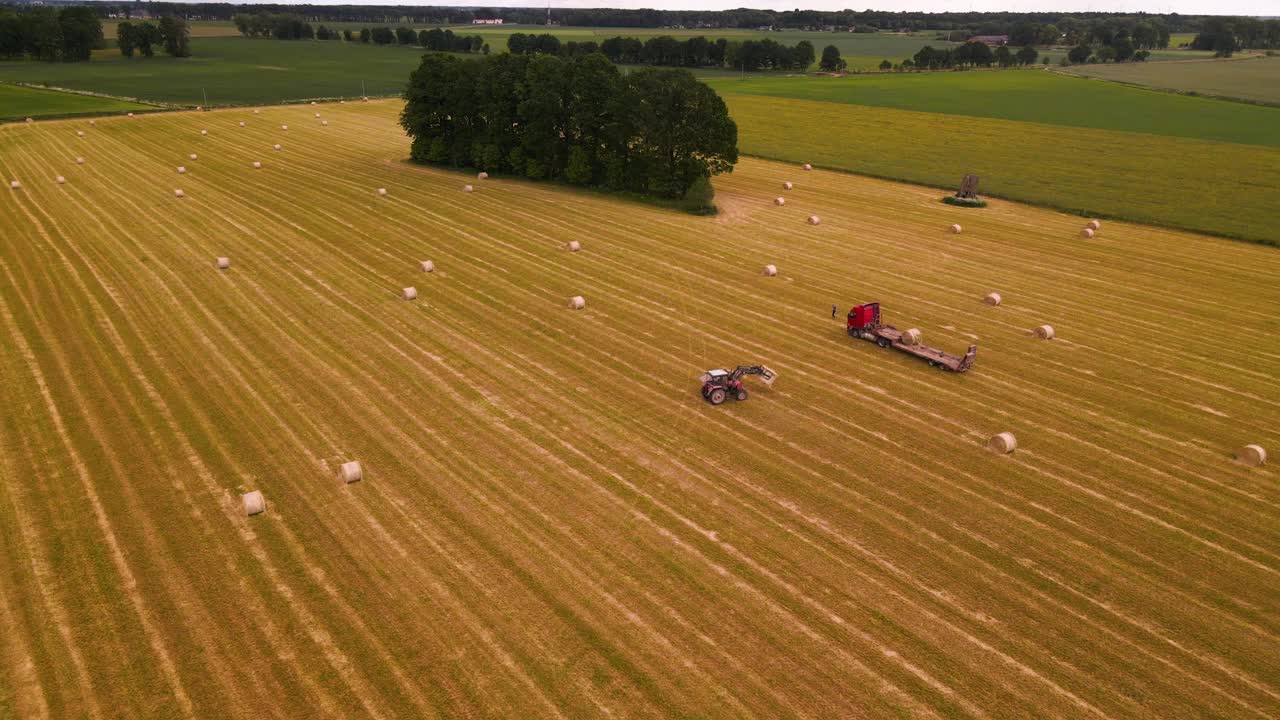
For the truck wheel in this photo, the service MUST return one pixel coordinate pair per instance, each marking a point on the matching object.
(742, 395)
(716, 397)
(883, 342)
(856, 333)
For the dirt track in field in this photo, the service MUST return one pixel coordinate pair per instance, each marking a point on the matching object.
(552, 523)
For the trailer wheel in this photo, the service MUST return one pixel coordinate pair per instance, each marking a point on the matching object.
(742, 395)
(883, 342)
(716, 397)
(932, 363)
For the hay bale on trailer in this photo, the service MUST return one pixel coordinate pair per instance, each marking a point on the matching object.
(577, 302)
(911, 337)
(956, 229)
(1086, 233)
(427, 266)
(351, 472)
(573, 246)
(992, 299)
(770, 270)
(779, 201)
(409, 293)
(1044, 332)
(224, 263)
(814, 220)
(1003, 444)
(254, 503)
(1252, 455)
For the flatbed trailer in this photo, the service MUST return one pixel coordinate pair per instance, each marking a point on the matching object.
(864, 324)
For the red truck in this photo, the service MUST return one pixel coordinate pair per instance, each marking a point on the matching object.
(864, 324)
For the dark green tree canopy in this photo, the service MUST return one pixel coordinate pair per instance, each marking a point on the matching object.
(576, 119)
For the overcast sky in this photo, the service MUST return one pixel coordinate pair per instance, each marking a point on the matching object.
(1186, 7)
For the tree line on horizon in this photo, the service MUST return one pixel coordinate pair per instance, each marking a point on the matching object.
(653, 132)
(68, 34)
(668, 51)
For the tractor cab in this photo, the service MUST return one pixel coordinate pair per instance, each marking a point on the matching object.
(864, 317)
(718, 376)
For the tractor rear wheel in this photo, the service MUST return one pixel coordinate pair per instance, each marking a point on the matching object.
(742, 395)
(716, 396)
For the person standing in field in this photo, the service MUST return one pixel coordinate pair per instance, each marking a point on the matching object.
(833, 312)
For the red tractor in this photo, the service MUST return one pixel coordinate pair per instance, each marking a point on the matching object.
(720, 383)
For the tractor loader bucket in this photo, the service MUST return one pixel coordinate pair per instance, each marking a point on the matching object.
(767, 375)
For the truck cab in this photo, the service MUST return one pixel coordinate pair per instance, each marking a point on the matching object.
(864, 317)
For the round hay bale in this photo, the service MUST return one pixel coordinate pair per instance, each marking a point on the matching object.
(1003, 444)
(770, 270)
(193, 156)
(992, 299)
(284, 127)
(30, 120)
(577, 302)
(1086, 233)
(324, 123)
(351, 472)
(779, 201)
(276, 147)
(814, 220)
(364, 99)
(79, 161)
(787, 186)
(956, 229)
(182, 170)
(807, 166)
(313, 102)
(130, 114)
(1252, 455)
(255, 112)
(241, 123)
(482, 176)
(224, 263)
(427, 266)
(382, 191)
(93, 122)
(573, 246)
(178, 193)
(204, 132)
(1044, 332)
(60, 180)
(467, 188)
(409, 293)
(199, 108)
(317, 115)
(79, 133)
(1094, 225)
(254, 503)
(15, 185)
(342, 102)
(911, 337)
(257, 165)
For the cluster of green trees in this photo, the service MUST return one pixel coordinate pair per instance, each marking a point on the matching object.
(1142, 33)
(655, 132)
(170, 33)
(970, 54)
(1225, 35)
(668, 51)
(281, 26)
(43, 33)
(1118, 51)
(434, 39)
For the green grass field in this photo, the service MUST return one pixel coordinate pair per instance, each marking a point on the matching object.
(552, 523)
(1216, 187)
(1031, 96)
(1254, 79)
(17, 102)
(234, 71)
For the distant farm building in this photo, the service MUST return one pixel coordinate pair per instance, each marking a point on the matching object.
(486, 21)
(993, 40)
